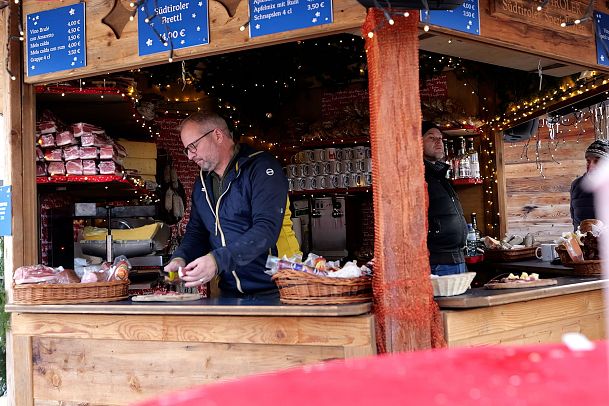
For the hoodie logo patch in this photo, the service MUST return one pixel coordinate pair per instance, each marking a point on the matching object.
(270, 172)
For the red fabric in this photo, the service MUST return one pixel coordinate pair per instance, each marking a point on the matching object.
(497, 376)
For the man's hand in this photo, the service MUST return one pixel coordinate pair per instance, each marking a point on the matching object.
(174, 265)
(199, 271)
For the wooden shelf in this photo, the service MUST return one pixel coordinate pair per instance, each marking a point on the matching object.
(466, 181)
(94, 187)
(329, 143)
(461, 132)
(365, 189)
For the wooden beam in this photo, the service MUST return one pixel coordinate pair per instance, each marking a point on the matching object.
(403, 296)
(106, 53)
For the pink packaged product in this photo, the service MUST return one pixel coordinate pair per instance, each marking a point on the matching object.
(39, 154)
(46, 127)
(71, 153)
(100, 139)
(106, 152)
(79, 129)
(74, 167)
(41, 169)
(46, 140)
(56, 168)
(107, 167)
(55, 154)
(65, 138)
(87, 139)
(89, 167)
(88, 152)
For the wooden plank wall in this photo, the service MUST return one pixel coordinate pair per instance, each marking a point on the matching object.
(532, 322)
(540, 204)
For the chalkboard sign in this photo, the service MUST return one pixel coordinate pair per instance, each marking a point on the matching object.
(5, 210)
(56, 40)
(274, 16)
(602, 38)
(171, 24)
(465, 18)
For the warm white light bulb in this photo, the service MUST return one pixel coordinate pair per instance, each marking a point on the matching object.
(563, 24)
(426, 28)
(406, 14)
(370, 34)
(391, 22)
(242, 28)
(170, 59)
(539, 8)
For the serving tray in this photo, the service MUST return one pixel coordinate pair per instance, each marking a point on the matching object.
(521, 285)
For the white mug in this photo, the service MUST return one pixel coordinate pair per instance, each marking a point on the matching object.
(298, 184)
(344, 180)
(359, 152)
(368, 152)
(292, 171)
(307, 156)
(335, 167)
(316, 169)
(367, 165)
(347, 154)
(304, 170)
(335, 181)
(326, 167)
(349, 166)
(359, 165)
(322, 182)
(546, 252)
(367, 179)
(331, 154)
(319, 155)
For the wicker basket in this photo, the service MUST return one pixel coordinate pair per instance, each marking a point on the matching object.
(515, 254)
(452, 285)
(588, 267)
(301, 288)
(563, 254)
(70, 293)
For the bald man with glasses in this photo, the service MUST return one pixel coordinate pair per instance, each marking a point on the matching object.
(239, 212)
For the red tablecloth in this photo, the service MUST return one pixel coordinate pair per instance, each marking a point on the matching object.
(526, 375)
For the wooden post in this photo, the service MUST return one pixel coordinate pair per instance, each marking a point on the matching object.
(407, 317)
(18, 170)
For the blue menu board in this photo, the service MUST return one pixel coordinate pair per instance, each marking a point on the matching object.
(273, 16)
(602, 38)
(5, 210)
(179, 25)
(465, 18)
(55, 40)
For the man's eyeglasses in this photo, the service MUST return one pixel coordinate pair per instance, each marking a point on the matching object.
(192, 147)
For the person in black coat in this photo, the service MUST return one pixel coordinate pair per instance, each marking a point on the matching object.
(447, 232)
(582, 201)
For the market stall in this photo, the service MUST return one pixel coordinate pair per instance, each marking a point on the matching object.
(53, 344)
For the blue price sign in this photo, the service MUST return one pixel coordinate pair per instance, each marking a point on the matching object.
(164, 24)
(465, 18)
(273, 16)
(5, 210)
(602, 38)
(56, 40)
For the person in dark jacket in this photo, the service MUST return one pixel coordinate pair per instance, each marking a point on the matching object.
(239, 212)
(447, 232)
(582, 201)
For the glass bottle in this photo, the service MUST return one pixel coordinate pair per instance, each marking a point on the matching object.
(473, 159)
(448, 148)
(464, 162)
(472, 243)
(475, 226)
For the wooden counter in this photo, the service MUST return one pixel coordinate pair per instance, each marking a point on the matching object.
(119, 353)
(525, 316)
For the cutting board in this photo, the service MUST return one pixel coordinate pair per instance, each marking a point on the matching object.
(521, 285)
(180, 297)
